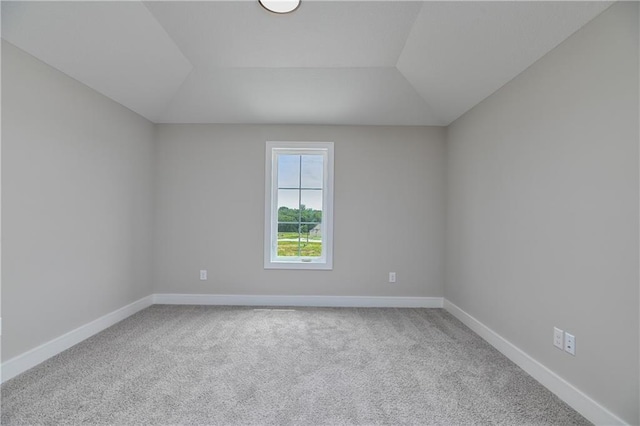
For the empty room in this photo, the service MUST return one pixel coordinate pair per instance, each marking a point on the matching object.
(274, 212)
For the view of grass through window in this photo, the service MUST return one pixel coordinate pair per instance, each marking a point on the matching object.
(300, 180)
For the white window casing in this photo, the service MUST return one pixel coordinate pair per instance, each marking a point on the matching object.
(281, 151)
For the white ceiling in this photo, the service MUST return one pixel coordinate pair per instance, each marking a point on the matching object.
(330, 62)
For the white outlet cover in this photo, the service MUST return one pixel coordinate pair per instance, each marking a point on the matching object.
(570, 343)
(558, 338)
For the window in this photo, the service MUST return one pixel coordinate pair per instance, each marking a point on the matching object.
(299, 205)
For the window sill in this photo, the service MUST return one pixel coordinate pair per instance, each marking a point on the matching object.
(298, 264)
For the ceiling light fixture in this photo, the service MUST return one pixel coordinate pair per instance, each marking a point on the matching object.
(280, 6)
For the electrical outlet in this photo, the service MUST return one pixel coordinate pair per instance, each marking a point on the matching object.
(392, 277)
(203, 274)
(558, 338)
(570, 343)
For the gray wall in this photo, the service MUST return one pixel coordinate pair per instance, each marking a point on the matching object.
(542, 208)
(542, 211)
(388, 212)
(76, 185)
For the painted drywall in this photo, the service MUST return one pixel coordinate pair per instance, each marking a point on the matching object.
(542, 209)
(388, 211)
(76, 199)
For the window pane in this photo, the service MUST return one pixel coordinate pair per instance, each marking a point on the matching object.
(289, 198)
(311, 232)
(292, 243)
(288, 171)
(310, 247)
(312, 167)
(288, 240)
(288, 230)
(312, 202)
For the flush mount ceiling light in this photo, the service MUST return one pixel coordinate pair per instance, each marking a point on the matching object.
(280, 6)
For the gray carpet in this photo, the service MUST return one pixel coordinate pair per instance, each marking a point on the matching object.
(210, 365)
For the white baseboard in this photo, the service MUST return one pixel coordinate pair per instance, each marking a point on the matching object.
(35, 356)
(324, 301)
(574, 397)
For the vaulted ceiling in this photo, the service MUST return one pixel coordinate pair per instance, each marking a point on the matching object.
(330, 62)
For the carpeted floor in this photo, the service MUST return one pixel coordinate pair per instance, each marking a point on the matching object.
(202, 365)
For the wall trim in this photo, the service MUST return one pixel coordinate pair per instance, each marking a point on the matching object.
(39, 354)
(574, 397)
(283, 300)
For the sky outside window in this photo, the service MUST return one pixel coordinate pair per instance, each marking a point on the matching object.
(300, 171)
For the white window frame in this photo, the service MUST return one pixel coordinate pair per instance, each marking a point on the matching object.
(271, 258)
